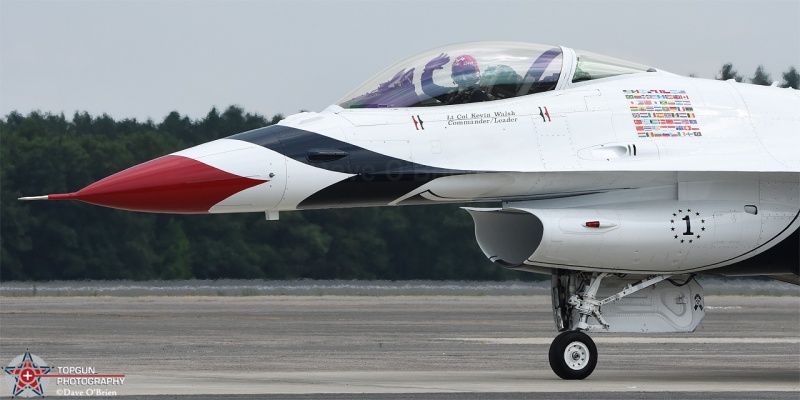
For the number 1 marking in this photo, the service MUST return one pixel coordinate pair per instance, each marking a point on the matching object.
(688, 226)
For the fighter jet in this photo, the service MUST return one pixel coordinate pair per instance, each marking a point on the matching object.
(619, 180)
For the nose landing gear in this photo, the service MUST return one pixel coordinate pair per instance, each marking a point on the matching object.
(577, 297)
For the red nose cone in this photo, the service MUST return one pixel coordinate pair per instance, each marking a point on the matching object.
(170, 184)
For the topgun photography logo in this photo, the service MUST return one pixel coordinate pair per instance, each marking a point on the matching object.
(27, 375)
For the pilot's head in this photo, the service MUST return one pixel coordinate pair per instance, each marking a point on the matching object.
(466, 72)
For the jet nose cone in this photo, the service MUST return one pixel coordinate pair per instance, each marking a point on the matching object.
(170, 184)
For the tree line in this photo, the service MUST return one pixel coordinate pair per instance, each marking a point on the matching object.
(791, 78)
(43, 153)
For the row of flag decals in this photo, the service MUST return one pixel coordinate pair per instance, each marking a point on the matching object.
(662, 113)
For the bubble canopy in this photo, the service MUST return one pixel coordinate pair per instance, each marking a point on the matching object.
(461, 73)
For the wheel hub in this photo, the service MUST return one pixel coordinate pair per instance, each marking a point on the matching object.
(576, 355)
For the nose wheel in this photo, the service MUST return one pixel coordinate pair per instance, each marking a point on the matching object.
(573, 355)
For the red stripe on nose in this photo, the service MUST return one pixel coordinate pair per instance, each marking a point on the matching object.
(170, 184)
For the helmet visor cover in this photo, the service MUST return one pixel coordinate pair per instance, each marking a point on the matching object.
(466, 70)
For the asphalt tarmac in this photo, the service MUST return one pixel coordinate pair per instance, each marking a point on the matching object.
(407, 347)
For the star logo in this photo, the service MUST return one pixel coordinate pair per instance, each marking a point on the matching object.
(26, 372)
(686, 224)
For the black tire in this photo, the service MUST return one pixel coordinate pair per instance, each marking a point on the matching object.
(579, 349)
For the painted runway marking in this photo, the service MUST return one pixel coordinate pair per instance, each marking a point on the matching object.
(636, 340)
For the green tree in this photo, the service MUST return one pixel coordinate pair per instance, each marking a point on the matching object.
(727, 72)
(761, 77)
(180, 127)
(175, 248)
(791, 79)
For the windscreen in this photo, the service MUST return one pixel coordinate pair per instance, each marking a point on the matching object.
(458, 74)
(595, 66)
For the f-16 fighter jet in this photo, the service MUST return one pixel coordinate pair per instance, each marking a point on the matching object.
(618, 180)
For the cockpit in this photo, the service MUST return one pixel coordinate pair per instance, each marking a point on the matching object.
(484, 71)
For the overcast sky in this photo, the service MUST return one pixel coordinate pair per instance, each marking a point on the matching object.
(144, 59)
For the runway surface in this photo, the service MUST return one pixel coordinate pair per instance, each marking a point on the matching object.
(358, 347)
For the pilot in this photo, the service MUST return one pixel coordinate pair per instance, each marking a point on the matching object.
(466, 75)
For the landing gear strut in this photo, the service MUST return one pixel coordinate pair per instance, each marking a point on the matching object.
(576, 308)
(573, 354)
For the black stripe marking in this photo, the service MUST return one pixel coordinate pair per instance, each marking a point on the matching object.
(379, 179)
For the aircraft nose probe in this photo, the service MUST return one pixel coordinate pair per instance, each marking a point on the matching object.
(169, 184)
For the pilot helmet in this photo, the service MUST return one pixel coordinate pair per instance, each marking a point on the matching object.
(466, 71)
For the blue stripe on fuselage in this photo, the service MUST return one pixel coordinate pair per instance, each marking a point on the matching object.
(378, 179)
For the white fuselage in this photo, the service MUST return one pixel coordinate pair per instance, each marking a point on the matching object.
(710, 146)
